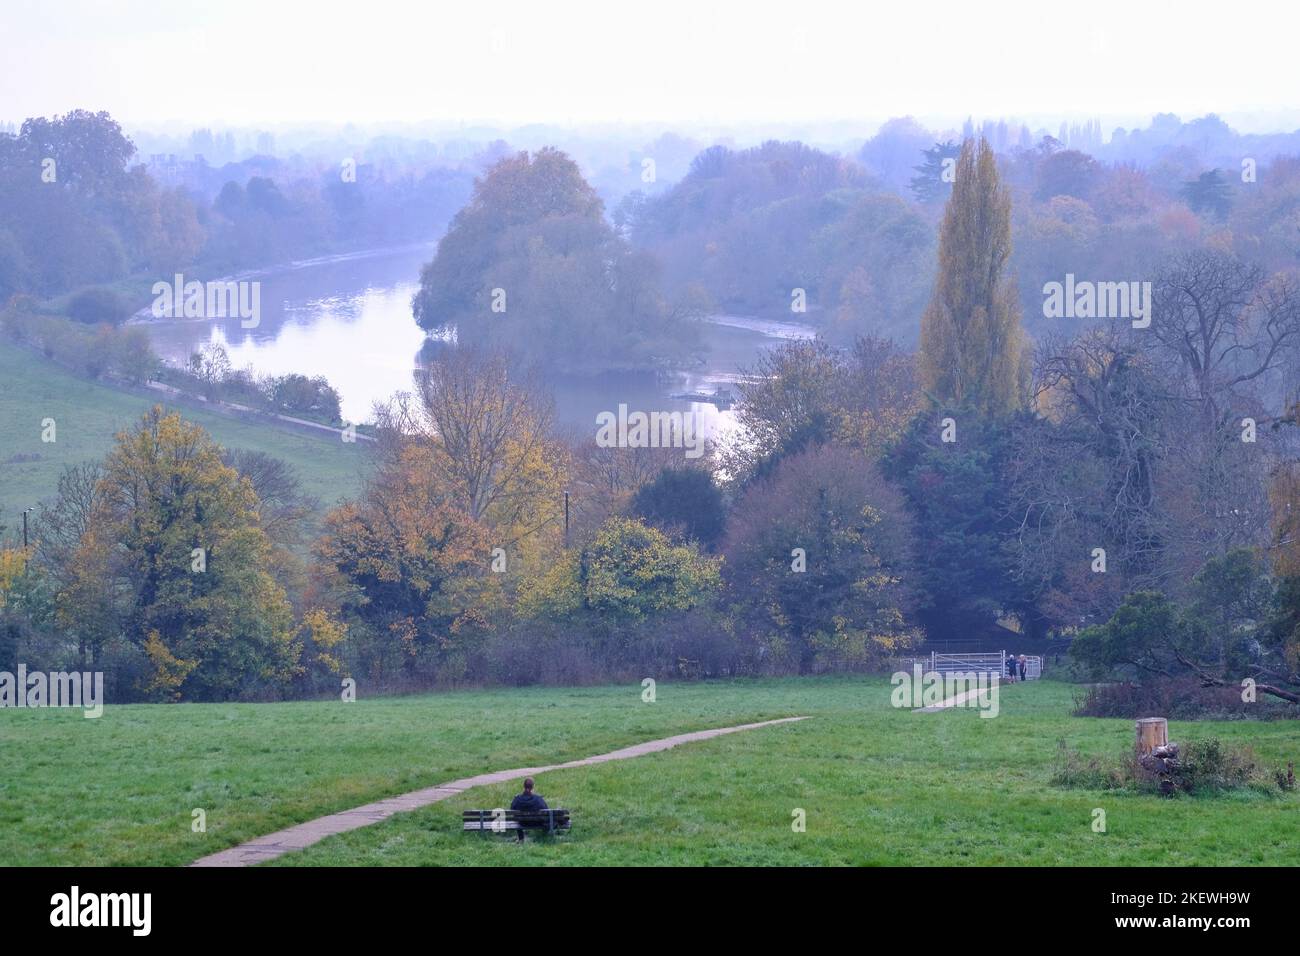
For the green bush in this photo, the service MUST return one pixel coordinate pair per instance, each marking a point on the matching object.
(300, 395)
(95, 306)
(1203, 766)
(1211, 765)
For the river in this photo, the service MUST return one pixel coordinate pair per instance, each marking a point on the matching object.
(348, 318)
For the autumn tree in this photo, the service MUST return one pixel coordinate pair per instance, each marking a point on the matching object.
(1067, 173)
(604, 479)
(482, 426)
(1284, 630)
(75, 212)
(808, 393)
(971, 341)
(1284, 495)
(408, 571)
(175, 557)
(26, 609)
(13, 562)
(466, 504)
(519, 190)
(793, 398)
(283, 506)
(69, 549)
(1089, 474)
(285, 512)
(629, 573)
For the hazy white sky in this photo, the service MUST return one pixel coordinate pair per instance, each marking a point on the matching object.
(262, 62)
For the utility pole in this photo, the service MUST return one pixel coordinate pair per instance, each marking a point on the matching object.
(25, 528)
(566, 519)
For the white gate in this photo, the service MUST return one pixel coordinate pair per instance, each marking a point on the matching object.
(994, 662)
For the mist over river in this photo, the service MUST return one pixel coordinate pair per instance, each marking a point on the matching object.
(348, 318)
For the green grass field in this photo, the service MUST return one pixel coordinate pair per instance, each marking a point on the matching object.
(878, 785)
(88, 415)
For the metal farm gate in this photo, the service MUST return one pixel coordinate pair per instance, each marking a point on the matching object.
(984, 663)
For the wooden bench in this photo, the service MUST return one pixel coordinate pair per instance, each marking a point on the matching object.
(506, 821)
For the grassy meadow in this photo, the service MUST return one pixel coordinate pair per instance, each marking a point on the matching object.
(88, 415)
(878, 785)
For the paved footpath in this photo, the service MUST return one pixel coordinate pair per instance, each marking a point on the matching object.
(958, 699)
(313, 831)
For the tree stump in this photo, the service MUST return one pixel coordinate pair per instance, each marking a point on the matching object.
(1152, 732)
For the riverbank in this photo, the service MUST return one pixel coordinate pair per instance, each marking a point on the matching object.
(88, 414)
(198, 273)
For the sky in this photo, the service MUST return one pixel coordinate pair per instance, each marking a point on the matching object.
(268, 62)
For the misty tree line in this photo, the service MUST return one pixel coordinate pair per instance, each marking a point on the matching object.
(86, 229)
(856, 238)
(1127, 488)
(532, 259)
(79, 209)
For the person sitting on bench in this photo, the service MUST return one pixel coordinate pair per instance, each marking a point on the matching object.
(527, 801)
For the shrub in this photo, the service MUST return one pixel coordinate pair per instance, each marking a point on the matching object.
(95, 306)
(1182, 698)
(1211, 765)
(20, 318)
(1206, 765)
(300, 395)
(133, 355)
(87, 351)
(631, 572)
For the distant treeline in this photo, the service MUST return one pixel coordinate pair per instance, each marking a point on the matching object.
(847, 243)
(858, 234)
(78, 207)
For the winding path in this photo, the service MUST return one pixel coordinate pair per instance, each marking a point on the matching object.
(313, 831)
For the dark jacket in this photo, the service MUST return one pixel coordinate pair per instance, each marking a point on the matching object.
(528, 801)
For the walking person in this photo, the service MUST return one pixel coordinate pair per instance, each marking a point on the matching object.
(1024, 667)
(1011, 668)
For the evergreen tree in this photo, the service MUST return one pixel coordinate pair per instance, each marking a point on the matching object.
(929, 185)
(958, 494)
(1209, 193)
(685, 500)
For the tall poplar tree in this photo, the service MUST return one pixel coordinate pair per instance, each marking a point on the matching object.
(971, 340)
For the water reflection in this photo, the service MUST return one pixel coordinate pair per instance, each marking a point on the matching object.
(349, 319)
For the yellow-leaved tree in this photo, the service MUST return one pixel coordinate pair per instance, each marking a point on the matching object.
(174, 558)
(12, 563)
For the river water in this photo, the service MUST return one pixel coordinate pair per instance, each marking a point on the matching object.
(348, 318)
